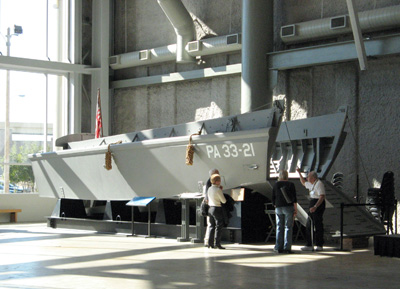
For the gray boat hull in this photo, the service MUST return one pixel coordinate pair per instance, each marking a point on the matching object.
(152, 162)
(155, 167)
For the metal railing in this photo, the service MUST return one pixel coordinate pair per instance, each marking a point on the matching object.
(343, 205)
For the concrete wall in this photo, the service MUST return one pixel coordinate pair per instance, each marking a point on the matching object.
(34, 208)
(162, 105)
(371, 148)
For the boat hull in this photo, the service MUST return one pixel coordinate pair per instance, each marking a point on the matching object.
(155, 167)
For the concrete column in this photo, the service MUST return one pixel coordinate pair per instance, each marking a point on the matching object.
(101, 46)
(257, 41)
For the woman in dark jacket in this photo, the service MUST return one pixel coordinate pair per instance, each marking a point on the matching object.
(285, 202)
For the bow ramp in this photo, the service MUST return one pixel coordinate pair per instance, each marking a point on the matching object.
(313, 144)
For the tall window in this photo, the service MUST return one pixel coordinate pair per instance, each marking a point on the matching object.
(36, 116)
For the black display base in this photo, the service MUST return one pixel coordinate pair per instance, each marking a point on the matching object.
(387, 245)
(232, 235)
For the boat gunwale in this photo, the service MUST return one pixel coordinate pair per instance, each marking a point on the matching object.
(161, 142)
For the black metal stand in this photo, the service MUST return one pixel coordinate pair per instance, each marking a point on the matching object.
(185, 222)
(133, 222)
(141, 202)
(148, 221)
(341, 228)
(199, 223)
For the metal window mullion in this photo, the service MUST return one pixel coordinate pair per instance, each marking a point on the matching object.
(47, 30)
(71, 41)
(46, 117)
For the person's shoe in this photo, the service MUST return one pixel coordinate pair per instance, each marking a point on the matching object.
(307, 248)
(219, 247)
(278, 251)
(319, 248)
(288, 252)
(210, 246)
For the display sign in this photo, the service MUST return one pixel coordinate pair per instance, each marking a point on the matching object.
(140, 201)
(237, 194)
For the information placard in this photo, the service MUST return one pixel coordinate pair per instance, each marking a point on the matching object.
(140, 201)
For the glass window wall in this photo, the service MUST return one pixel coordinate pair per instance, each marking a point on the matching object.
(36, 28)
(31, 104)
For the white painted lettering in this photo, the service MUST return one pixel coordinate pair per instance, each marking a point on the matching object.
(230, 150)
(235, 153)
(209, 150)
(216, 152)
(227, 153)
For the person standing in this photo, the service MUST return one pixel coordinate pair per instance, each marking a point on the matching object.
(211, 172)
(216, 224)
(284, 200)
(317, 209)
(207, 186)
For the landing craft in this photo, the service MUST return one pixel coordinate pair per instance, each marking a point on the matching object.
(248, 149)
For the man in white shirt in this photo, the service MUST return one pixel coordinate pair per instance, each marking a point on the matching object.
(317, 209)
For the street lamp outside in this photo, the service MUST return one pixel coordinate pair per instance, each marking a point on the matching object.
(7, 136)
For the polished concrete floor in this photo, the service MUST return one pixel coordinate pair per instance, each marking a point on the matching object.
(35, 256)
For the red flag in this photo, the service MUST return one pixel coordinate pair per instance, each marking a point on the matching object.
(99, 121)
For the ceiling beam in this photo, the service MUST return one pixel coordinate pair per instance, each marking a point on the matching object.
(332, 53)
(179, 76)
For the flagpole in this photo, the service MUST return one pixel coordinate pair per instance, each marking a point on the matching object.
(101, 117)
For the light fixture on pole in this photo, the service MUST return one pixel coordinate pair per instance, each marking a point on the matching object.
(7, 136)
